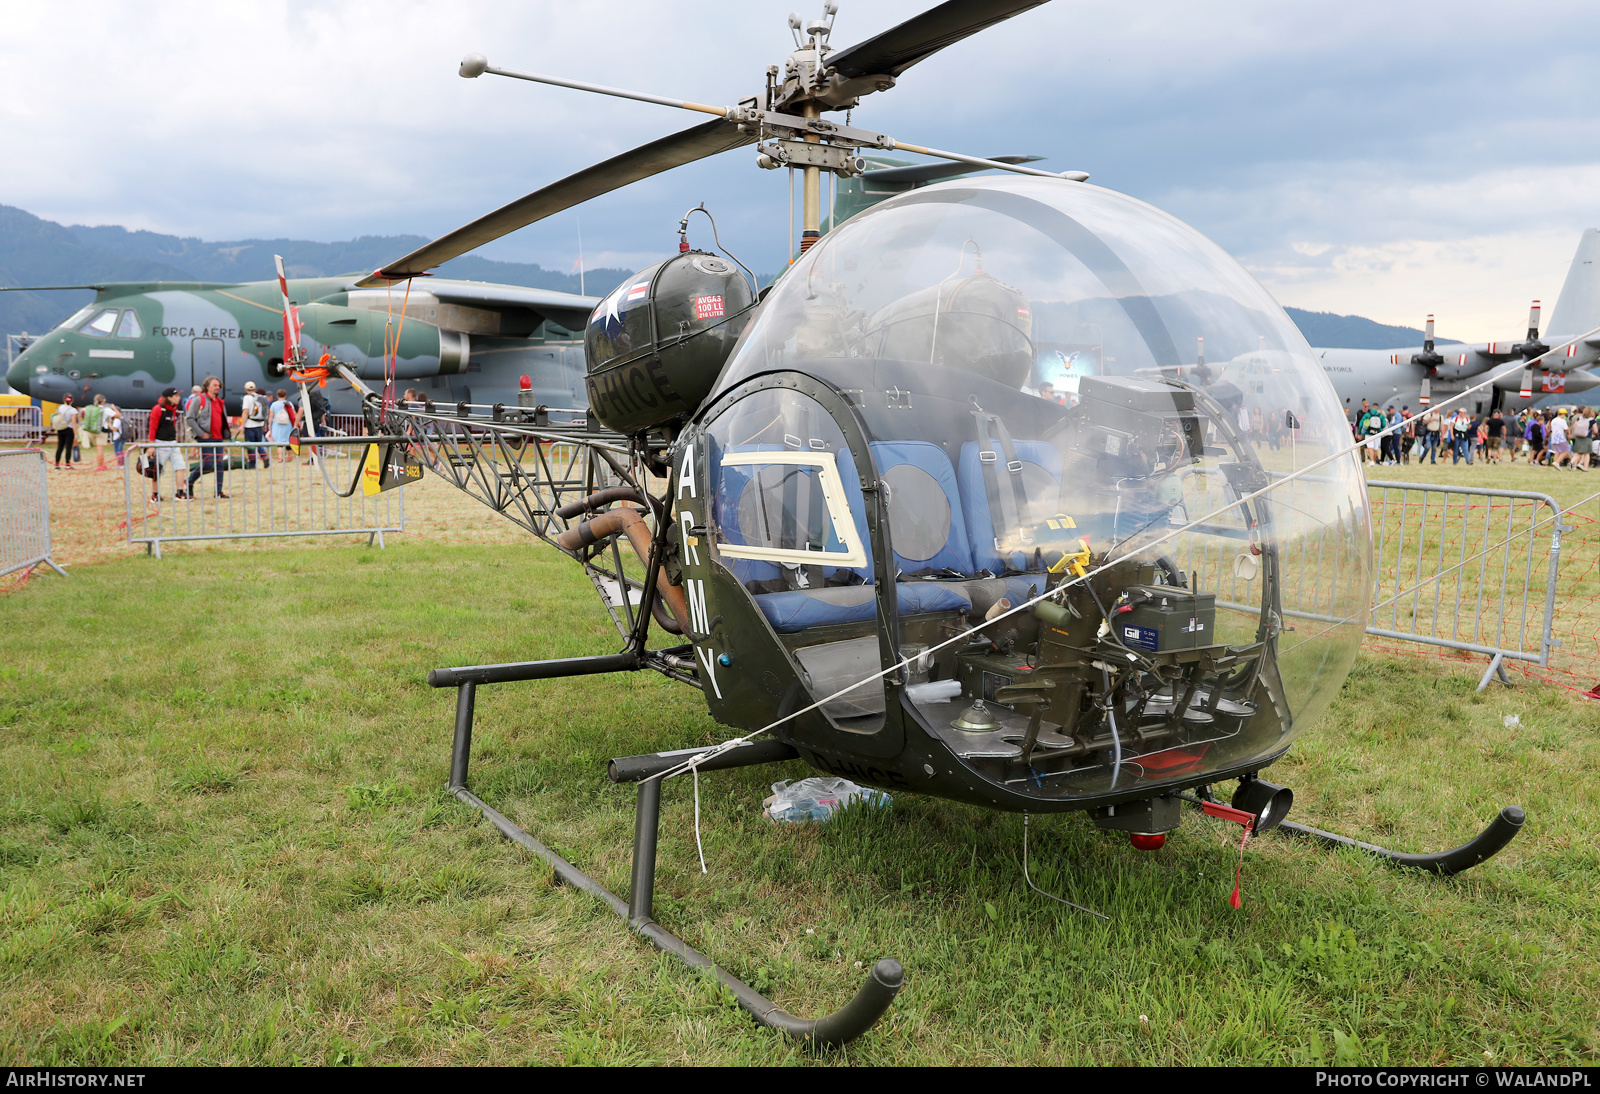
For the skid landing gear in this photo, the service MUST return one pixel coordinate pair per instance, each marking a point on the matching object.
(1480, 848)
(857, 1016)
(1485, 845)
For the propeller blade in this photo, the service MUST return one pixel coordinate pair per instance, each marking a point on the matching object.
(293, 354)
(1527, 383)
(1533, 322)
(921, 36)
(1426, 387)
(1427, 342)
(685, 146)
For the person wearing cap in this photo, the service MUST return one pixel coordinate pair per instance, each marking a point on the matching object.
(253, 416)
(65, 423)
(165, 417)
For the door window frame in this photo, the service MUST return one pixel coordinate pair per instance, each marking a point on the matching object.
(833, 493)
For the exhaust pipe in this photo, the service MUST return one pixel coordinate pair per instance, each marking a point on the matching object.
(630, 522)
(602, 498)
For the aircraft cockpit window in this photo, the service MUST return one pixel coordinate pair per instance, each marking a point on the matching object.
(76, 317)
(101, 325)
(129, 327)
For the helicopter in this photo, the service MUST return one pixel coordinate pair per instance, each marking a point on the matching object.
(875, 545)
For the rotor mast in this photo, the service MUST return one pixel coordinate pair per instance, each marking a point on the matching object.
(811, 217)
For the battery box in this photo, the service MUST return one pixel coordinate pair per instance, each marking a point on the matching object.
(1166, 618)
(983, 674)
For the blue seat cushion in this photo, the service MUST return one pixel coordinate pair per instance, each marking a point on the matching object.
(801, 609)
(925, 518)
(1041, 473)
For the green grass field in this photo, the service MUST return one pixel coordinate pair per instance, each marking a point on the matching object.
(224, 840)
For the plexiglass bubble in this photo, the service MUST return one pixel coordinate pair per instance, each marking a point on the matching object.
(1052, 379)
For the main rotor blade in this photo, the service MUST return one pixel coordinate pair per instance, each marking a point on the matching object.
(928, 172)
(921, 36)
(685, 146)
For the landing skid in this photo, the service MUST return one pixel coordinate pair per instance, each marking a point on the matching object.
(844, 1025)
(1480, 848)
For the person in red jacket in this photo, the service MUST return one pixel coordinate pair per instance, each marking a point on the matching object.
(164, 433)
(208, 424)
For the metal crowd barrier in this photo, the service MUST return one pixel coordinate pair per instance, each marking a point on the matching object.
(135, 426)
(21, 423)
(1460, 567)
(351, 425)
(265, 498)
(25, 511)
(1495, 591)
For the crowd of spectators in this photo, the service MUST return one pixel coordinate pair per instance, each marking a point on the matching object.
(1554, 437)
(185, 434)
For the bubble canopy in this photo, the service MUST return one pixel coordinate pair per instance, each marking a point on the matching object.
(1045, 368)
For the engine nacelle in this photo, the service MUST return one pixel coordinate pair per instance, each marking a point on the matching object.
(357, 335)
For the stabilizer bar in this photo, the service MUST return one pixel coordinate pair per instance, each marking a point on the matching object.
(1485, 845)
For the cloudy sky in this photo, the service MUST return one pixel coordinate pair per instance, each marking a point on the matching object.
(1361, 156)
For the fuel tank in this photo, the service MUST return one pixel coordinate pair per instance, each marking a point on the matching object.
(655, 345)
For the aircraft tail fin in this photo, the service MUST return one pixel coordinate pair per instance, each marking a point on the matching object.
(1578, 307)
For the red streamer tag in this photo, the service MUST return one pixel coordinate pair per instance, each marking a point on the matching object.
(1239, 817)
(1238, 872)
(1228, 813)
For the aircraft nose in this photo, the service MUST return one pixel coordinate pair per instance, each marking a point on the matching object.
(18, 375)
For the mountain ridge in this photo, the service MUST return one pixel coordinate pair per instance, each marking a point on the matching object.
(41, 252)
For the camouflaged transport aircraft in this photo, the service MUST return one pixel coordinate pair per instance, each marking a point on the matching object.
(460, 340)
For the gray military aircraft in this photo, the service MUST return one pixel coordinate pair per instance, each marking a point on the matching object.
(1388, 378)
(1384, 377)
(454, 340)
